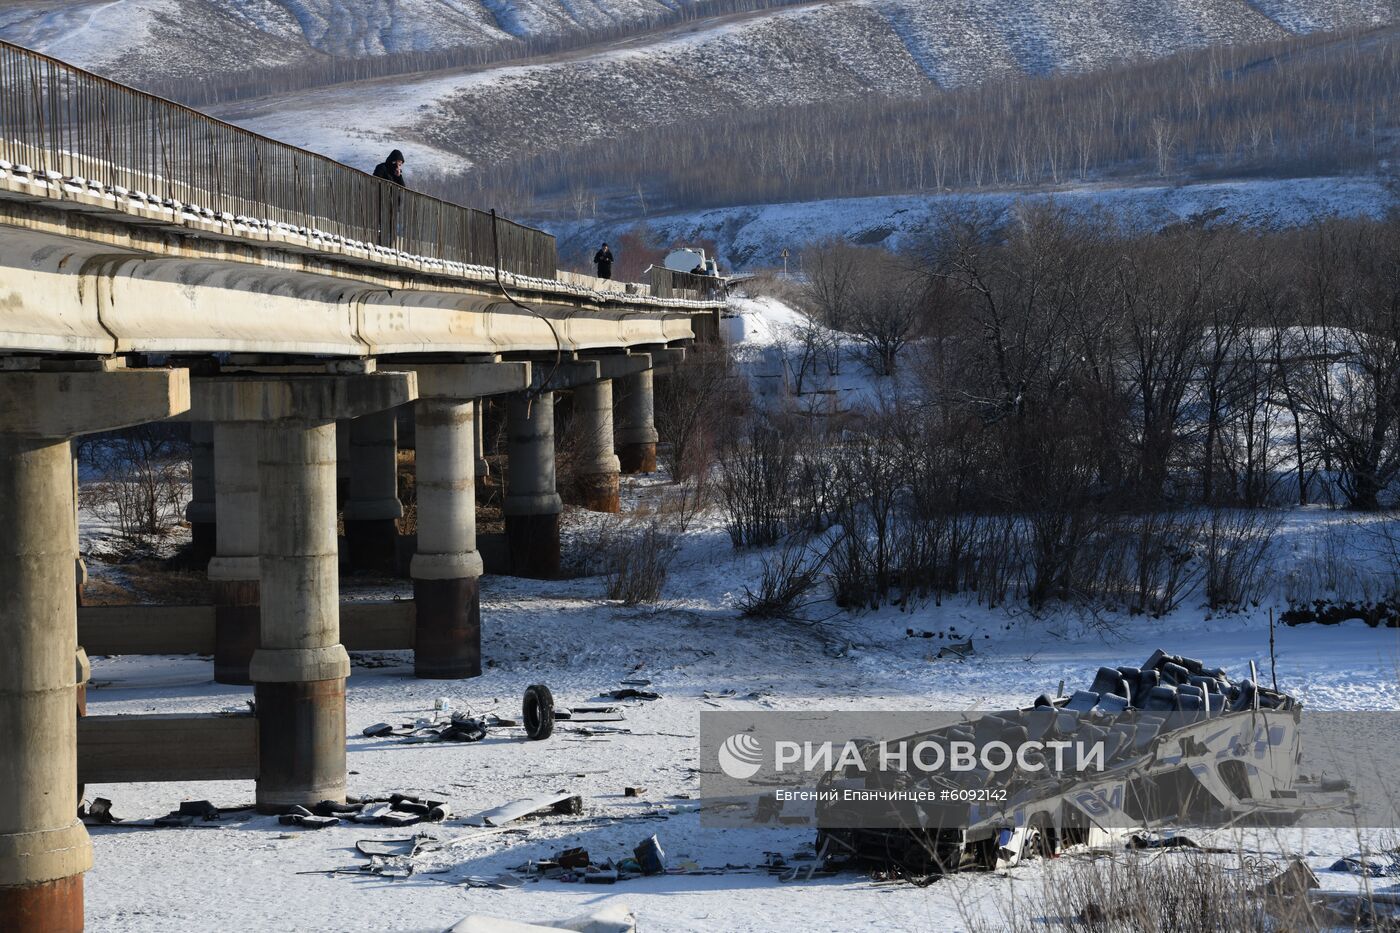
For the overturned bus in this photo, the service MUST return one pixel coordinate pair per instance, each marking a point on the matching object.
(1170, 744)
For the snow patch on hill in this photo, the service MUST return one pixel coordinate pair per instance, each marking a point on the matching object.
(755, 236)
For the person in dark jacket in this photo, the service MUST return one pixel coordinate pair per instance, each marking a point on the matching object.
(391, 169)
(603, 259)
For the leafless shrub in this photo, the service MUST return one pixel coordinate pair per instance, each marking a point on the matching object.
(697, 406)
(1235, 551)
(637, 562)
(1144, 894)
(757, 482)
(1160, 564)
(786, 588)
(140, 483)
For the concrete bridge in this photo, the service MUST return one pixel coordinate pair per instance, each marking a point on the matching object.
(156, 264)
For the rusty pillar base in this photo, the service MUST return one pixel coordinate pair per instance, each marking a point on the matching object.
(373, 545)
(447, 636)
(637, 458)
(301, 744)
(46, 907)
(533, 543)
(237, 629)
(599, 492)
(203, 543)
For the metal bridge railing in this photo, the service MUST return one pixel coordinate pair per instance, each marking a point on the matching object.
(79, 124)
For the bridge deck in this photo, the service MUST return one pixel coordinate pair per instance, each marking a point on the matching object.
(129, 223)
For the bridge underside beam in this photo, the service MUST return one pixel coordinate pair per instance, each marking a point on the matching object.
(176, 747)
(162, 630)
(84, 285)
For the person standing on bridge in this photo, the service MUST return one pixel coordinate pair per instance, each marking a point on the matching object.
(390, 203)
(391, 169)
(603, 259)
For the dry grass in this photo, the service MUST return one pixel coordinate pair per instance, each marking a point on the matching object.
(1177, 891)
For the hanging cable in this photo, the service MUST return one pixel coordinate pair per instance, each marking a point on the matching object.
(530, 394)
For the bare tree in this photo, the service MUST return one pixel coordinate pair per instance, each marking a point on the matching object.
(1350, 379)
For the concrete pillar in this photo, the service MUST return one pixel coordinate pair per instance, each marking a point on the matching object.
(446, 569)
(532, 504)
(371, 513)
(234, 569)
(44, 849)
(598, 466)
(300, 667)
(636, 430)
(200, 511)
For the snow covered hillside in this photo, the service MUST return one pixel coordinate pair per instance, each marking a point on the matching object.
(135, 39)
(806, 54)
(755, 237)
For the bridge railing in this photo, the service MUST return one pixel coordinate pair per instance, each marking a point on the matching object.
(58, 118)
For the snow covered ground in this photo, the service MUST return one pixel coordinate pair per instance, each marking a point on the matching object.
(249, 873)
(755, 236)
(244, 874)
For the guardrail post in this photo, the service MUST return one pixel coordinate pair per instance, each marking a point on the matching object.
(44, 849)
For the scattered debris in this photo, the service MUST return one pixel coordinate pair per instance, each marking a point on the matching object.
(1295, 880)
(630, 693)
(615, 918)
(99, 811)
(634, 791)
(573, 858)
(377, 730)
(1156, 841)
(1359, 864)
(594, 714)
(300, 816)
(537, 710)
(463, 728)
(564, 804)
(650, 856)
(388, 848)
(960, 650)
(188, 812)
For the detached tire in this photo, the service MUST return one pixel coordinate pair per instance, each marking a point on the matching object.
(538, 712)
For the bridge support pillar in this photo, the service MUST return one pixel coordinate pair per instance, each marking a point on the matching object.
(372, 511)
(200, 512)
(234, 570)
(636, 434)
(44, 849)
(446, 569)
(299, 667)
(532, 504)
(597, 474)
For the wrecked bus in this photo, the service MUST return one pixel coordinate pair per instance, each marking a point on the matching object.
(1173, 743)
